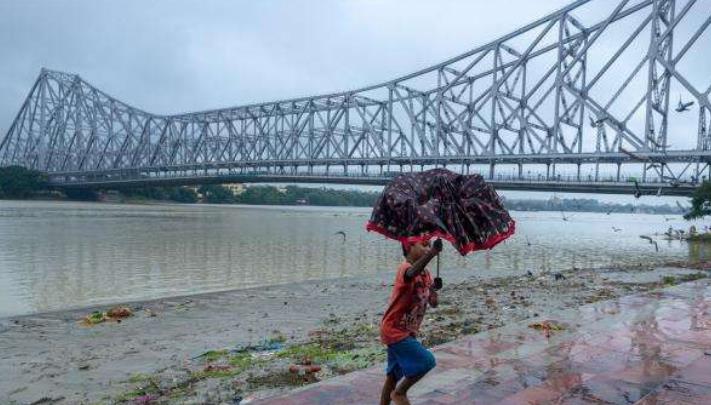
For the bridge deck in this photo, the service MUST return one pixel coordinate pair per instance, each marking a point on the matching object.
(570, 186)
(643, 349)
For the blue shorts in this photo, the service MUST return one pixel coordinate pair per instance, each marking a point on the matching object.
(408, 358)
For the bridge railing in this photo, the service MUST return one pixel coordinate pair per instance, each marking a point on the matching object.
(237, 175)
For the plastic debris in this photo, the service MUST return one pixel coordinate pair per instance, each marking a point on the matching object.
(547, 327)
(113, 314)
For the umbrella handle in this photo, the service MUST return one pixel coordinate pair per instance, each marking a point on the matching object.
(437, 280)
(438, 265)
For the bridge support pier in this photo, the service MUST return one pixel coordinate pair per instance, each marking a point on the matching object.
(520, 171)
(618, 171)
(577, 175)
(548, 171)
(491, 170)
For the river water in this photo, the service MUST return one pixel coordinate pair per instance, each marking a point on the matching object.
(58, 255)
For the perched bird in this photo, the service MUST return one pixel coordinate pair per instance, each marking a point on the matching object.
(558, 276)
(529, 273)
(341, 233)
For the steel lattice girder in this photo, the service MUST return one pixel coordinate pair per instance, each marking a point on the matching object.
(524, 98)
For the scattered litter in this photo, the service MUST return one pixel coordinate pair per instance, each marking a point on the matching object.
(547, 327)
(304, 369)
(145, 399)
(113, 314)
(47, 400)
(217, 367)
(119, 312)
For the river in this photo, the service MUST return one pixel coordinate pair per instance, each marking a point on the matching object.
(59, 255)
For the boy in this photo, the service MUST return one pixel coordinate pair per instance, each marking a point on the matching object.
(413, 291)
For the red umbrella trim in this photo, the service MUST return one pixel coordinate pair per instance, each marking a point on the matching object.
(469, 247)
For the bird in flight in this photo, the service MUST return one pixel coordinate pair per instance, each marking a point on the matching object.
(651, 241)
(682, 106)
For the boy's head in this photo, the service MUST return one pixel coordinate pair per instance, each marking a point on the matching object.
(414, 250)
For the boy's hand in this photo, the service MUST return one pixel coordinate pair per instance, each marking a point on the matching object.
(437, 245)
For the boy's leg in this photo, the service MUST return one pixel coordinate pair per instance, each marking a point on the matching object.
(416, 361)
(399, 394)
(388, 387)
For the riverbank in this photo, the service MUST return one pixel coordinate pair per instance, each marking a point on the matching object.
(231, 346)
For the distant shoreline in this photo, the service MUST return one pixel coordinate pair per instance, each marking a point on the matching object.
(17, 182)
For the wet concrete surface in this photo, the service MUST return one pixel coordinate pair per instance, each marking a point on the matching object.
(650, 348)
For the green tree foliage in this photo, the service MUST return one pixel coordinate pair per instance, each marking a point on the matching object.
(217, 194)
(81, 194)
(19, 182)
(177, 194)
(293, 195)
(183, 195)
(700, 202)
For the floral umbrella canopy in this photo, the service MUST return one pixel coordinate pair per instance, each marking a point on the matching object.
(462, 209)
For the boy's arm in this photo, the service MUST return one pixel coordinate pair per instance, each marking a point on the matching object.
(419, 266)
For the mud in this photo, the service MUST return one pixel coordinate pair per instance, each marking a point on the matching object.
(235, 346)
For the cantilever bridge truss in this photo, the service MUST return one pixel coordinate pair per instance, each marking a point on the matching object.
(592, 85)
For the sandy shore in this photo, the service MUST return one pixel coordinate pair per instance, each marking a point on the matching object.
(234, 346)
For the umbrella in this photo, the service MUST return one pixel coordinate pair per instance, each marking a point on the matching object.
(462, 209)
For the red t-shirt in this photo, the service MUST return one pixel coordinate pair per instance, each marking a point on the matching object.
(408, 303)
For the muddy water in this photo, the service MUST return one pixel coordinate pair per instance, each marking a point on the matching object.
(57, 255)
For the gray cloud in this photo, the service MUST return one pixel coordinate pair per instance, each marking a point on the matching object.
(174, 56)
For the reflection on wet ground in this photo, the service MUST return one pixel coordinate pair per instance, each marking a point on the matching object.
(639, 349)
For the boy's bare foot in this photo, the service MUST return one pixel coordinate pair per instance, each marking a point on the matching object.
(399, 399)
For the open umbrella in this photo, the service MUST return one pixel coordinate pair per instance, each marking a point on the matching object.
(462, 209)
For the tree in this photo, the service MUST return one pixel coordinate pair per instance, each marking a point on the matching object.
(81, 194)
(19, 182)
(217, 194)
(700, 202)
(183, 195)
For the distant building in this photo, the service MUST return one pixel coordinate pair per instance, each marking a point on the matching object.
(235, 188)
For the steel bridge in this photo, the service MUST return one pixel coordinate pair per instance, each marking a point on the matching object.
(583, 99)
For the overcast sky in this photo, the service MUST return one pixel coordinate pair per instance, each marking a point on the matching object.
(177, 56)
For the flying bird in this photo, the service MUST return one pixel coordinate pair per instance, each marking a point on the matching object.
(564, 217)
(615, 229)
(681, 207)
(341, 233)
(595, 122)
(682, 106)
(651, 241)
